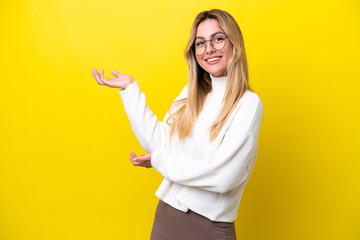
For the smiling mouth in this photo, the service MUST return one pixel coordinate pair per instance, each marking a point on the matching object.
(212, 59)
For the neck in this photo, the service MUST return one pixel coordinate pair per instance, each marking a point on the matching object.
(218, 84)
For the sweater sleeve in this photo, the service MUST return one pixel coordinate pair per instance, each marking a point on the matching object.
(150, 132)
(232, 162)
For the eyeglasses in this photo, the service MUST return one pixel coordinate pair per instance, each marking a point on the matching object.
(217, 42)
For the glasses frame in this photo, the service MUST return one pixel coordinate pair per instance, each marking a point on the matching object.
(211, 45)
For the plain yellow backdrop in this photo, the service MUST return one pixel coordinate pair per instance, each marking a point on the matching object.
(65, 171)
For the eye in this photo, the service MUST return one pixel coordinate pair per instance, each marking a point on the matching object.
(219, 39)
(200, 43)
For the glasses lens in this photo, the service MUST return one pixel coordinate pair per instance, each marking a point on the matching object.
(199, 47)
(218, 42)
(200, 51)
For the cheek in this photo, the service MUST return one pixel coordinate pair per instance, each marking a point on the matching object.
(229, 52)
(199, 61)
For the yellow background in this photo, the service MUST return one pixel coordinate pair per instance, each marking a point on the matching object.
(65, 171)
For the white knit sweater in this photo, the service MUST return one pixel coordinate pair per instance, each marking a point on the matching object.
(206, 177)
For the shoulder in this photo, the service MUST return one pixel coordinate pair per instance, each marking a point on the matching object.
(249, 111)
(251, 100)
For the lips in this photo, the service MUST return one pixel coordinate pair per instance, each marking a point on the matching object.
(206, 59)
(213, 60)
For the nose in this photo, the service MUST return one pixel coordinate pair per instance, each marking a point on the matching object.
(209, 47)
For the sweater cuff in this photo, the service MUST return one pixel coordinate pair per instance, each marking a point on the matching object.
(134, 85)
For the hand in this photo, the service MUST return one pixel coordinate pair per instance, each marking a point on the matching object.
(121, 80)
(143, 161)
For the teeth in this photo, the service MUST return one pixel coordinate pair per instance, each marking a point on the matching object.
(212, 59)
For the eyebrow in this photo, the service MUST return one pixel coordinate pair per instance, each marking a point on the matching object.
(210, 35)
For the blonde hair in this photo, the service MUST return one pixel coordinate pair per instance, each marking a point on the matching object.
(199, 81)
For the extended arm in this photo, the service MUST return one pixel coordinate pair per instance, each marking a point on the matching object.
(150, 132)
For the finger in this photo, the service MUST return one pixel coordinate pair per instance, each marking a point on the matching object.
(133, 159)
(115, 73)
(132, 155)
(141, 161)
(142, 158)
(93, 73)
(136, 158)
(97, 77)
(136, 164)
(102, 74)
(102, 78)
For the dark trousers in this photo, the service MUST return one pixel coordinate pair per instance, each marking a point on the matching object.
(173, 224)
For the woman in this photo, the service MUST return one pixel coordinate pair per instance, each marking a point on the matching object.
(206, 146)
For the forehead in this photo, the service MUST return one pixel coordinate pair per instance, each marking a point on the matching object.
(208, 27)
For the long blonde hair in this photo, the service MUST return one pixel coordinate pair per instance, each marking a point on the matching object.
(199, 81)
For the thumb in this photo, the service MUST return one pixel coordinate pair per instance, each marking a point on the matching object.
(115, 73)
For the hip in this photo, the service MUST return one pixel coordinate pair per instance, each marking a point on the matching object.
(171, 223)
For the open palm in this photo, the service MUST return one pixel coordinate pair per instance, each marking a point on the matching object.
(120, 80)
(143, 161)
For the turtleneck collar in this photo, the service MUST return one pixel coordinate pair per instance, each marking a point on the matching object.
(218, 83)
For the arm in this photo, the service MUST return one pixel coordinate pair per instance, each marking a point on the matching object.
(232, 162)
(150, 133)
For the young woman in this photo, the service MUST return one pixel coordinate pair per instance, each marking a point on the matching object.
(207, 144)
